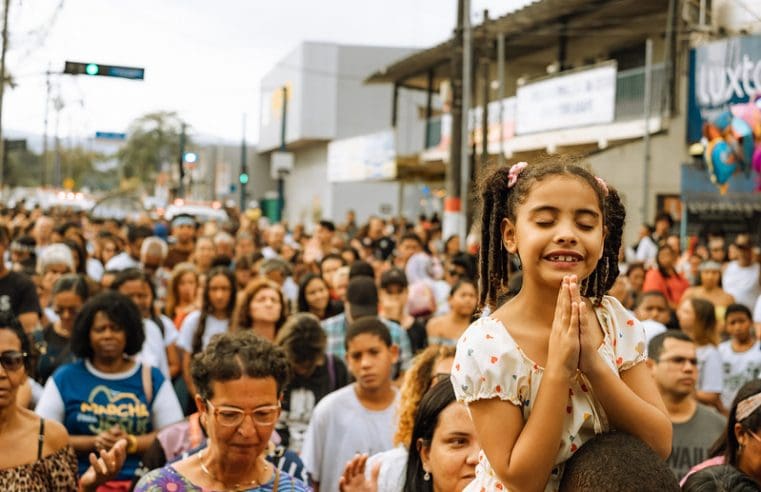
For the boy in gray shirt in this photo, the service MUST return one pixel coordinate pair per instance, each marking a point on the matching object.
(359, 418)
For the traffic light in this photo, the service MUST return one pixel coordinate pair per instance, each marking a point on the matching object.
(243, 178)
(96, 69)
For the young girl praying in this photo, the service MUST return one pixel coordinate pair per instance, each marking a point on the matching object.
(560, 361)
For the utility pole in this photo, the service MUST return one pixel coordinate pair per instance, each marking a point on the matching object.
(45, 162)
(467, 93)
(486, 86)
(452, 201)
(280, 177)
(648, 97)
(6, 4)
(181, 185)
(501, 94)
(57, 177)
(243, 168)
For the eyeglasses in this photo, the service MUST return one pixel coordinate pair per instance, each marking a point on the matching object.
(12, 360)
(233, 417)
(679, 361)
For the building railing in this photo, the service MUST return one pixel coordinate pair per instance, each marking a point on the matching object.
(630, 92)
(630, 99)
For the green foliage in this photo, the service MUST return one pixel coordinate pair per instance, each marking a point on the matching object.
(154, 140)
(26, 168)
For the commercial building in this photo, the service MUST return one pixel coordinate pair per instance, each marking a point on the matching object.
(341, 149)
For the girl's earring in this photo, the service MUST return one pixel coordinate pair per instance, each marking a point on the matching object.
(427, 476)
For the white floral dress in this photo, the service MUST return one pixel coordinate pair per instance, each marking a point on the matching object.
(490, 364)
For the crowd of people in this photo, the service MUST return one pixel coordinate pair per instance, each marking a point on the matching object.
(544, 354)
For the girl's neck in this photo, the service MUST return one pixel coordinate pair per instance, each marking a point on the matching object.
(320, 313)
(534, 300)
(265, 329)
(458, 318)
(60, 330)
(111, 365)
(220, 314)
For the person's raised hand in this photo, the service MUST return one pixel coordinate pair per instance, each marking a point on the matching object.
(563, 351)
(353, 478)
(104, 466)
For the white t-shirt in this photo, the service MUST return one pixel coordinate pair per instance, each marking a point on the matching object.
(170, 331)
(757, 311)
(652, 329)
(122, 261)
(710, 376)
(190, 325)
(94, 269)
(742, 282)
(393, 469)
(340, 428)
(739, 368)
(647, 250)
(153, 352)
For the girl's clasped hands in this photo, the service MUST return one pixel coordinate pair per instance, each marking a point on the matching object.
(573, 344)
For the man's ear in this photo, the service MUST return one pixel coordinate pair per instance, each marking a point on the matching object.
(394, 349)
(508, 236)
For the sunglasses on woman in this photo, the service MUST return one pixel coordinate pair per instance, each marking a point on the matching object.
(12, 360)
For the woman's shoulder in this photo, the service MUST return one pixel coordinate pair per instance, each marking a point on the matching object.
(56, 436)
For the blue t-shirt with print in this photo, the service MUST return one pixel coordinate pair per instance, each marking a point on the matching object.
(94, 404)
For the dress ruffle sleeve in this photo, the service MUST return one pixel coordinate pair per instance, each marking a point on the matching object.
(489, 364)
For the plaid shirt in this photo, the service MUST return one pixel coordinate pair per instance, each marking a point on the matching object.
(335, 329)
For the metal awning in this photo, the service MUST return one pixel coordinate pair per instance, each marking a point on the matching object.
(533, 28)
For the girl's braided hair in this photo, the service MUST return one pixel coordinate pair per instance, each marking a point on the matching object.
(498, 202)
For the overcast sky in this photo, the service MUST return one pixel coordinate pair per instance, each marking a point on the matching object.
(203, 59)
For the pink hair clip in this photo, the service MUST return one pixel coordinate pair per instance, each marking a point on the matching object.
(515, 171)
(602, 184)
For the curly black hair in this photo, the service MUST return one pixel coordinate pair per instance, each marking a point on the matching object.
(231, 356)
(120, 310)
(498, 202)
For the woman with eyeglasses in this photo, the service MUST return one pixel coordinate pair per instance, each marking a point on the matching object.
(52, 343)
(240, 379)
(106, 395)
(36, 453)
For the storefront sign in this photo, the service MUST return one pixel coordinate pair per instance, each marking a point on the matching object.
(580, 98)
(724, 76)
